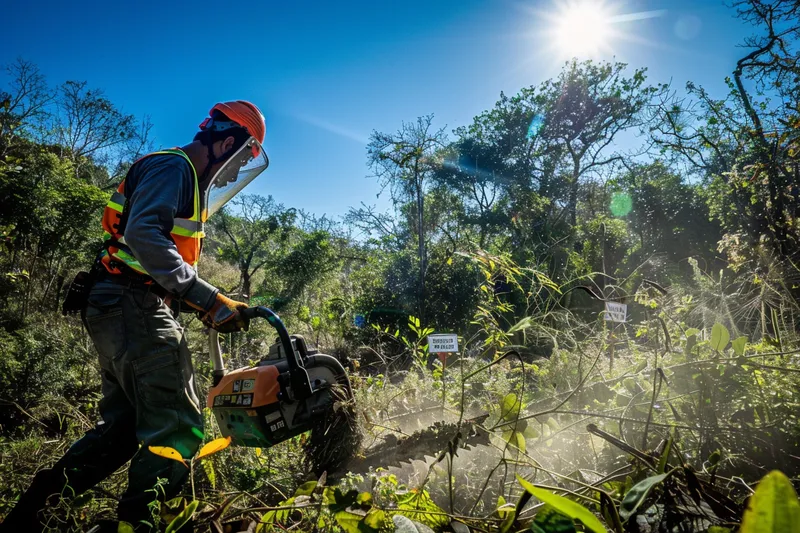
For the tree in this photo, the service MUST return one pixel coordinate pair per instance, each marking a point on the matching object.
(88, 125)
(586, 108)
(746, 146)
(250, 232)
(313, 256)
(23, 108)
(522, 164)
(370, 222)
(404, 162)
(668, 215)
(50, 224)
(471, 172)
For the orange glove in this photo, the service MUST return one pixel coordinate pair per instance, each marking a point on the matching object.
(224, 315)
(215, 310)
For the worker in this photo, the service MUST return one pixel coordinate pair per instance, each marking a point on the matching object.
(146, 271)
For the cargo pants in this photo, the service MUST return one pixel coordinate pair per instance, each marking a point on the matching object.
(148, 399)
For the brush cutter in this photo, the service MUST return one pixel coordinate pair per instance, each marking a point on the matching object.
(295, 389)
(292, 390)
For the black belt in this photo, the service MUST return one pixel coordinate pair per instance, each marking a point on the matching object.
(133, 283)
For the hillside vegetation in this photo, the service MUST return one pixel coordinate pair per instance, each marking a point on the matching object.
(597, 185)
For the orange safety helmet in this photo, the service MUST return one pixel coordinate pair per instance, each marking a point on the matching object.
(244, 114)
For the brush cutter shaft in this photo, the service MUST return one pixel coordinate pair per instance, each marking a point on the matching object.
(215, 354)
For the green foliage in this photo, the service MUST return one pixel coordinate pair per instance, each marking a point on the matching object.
(610, 513)
(46, 359)
(549, 520)
(183, 518)
(663, 461)
(515, 431)
(638, 494)
(719, 337)
(418, 505)
(313, 255)
(569, 508)
(507, 514)
(738, 345)
(251, 232)
(605, 242)
(406, 525)
(669, 215)
(211, 473)
(691, 340)
(354, 511)
(52, 226)
(773, 507)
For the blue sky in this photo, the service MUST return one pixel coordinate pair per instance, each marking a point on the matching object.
(327, 73)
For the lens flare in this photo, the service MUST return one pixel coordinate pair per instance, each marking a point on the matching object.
(535, 126)
(621, 204)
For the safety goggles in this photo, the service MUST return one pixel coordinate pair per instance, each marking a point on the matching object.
(239, 170)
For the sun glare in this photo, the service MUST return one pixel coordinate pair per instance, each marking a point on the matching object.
(582, 29)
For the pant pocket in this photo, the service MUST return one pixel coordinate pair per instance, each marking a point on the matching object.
(159, 380)
(106, 323)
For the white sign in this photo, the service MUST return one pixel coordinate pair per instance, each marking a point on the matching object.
(616, 312)
(443, 343)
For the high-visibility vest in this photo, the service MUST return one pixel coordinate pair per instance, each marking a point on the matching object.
(186, 233)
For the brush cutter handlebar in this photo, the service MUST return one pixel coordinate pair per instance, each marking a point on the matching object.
(301, 386)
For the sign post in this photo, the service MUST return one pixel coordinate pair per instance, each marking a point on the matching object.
(615, 312)
(442, 344)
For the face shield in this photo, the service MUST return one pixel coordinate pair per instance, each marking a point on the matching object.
(240, 169)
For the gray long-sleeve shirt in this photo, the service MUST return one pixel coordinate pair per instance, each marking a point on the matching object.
(160, 188)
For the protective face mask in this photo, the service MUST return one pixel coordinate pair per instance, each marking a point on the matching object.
(240, 169)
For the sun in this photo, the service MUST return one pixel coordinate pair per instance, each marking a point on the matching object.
(581, 29)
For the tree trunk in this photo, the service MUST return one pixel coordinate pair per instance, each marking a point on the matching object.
(59, 287)
(572, 207)
(29, 288)
(421, 251)
(573, 202)
(245, 284)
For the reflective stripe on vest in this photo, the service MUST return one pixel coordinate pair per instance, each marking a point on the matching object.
(186, 233)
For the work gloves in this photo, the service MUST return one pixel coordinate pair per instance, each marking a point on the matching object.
(224, 315)
(216, 310)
